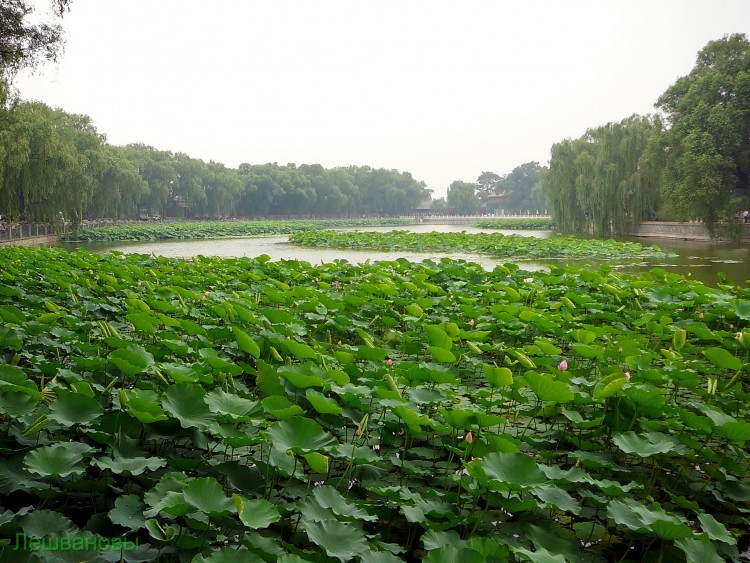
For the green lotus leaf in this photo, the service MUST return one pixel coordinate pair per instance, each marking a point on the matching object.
(144, 322)
(321, 403)
(163, 533)
(60, 460)
(716, 530)
(512, 469)
(186, 403)
(438, 338)
(540, 555)
(17, 403)
(609, 385)
(698, 551)
(338, 539)
(734, 431)
(130, 465)
(299, 350)
(414, 310)
(371, 353)
(547, 389)
(300, 377)
(44, 523)
(723, 359)
(212, 359)
(257, 513)
(233, 406)
(441, 354)
(301, 435)
(128, 512)
(74, 408)
(145, 410)
(187, 373)
(589, 531)
(412, 418)
(454, 554)
(459, 418)
(498, 377)
(281, 407)
(328, 497)
(372, 557)
(12, 314)
(558, 498)
(648, 444)
(207, 495)
(317, 462)
(246, 342)
(639, 518)
(131, 360)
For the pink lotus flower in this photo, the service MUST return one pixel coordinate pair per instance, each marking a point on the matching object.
(563, 365)
(471, 322)
(389, 361)
(627, 375)
(469, 437)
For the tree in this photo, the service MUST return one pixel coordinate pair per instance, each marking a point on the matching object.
(488, 183)
(52, 162)
(706, 149)
(519, 186)
(463, 198)
(24, 44)
(605, 182)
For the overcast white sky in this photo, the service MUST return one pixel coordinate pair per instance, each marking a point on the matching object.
(442, 89)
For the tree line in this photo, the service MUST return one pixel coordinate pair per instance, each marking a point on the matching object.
(519, 190)
(54, 162)
(689, 161)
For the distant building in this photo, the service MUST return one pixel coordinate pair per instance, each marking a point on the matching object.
(424, 208)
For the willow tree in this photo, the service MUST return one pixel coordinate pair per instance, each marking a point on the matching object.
(602, 182)
(51, 165)
(559, 183)
(707, 146)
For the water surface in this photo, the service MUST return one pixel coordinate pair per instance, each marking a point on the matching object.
(702, 260)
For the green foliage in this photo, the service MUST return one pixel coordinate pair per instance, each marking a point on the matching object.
(706, 150)
(463, 198)
(605, 182)
(519, 190)
(207, 230)
(282, 411)
(495, 244)
(53, 162)
(538, 224)
(24, 40)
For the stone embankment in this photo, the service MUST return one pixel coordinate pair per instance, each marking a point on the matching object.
(30, 241)
(684, 231)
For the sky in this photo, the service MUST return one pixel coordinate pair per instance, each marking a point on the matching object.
(442, 89)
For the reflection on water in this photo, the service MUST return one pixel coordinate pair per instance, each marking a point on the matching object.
(699, 259)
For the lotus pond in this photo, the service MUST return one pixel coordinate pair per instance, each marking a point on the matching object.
(533, 224)
(494, 244)
(219, 229)
(242, 409)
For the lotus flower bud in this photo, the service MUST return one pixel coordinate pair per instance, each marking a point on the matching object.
(563, 365)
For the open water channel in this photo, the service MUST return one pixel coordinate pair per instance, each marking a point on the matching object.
(699, 259)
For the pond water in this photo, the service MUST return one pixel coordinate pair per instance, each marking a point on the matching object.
(699, 259)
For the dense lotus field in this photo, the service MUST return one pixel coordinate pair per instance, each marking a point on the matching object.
(534, 224)
(495, 244)
(218, 229)
(227, 410)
